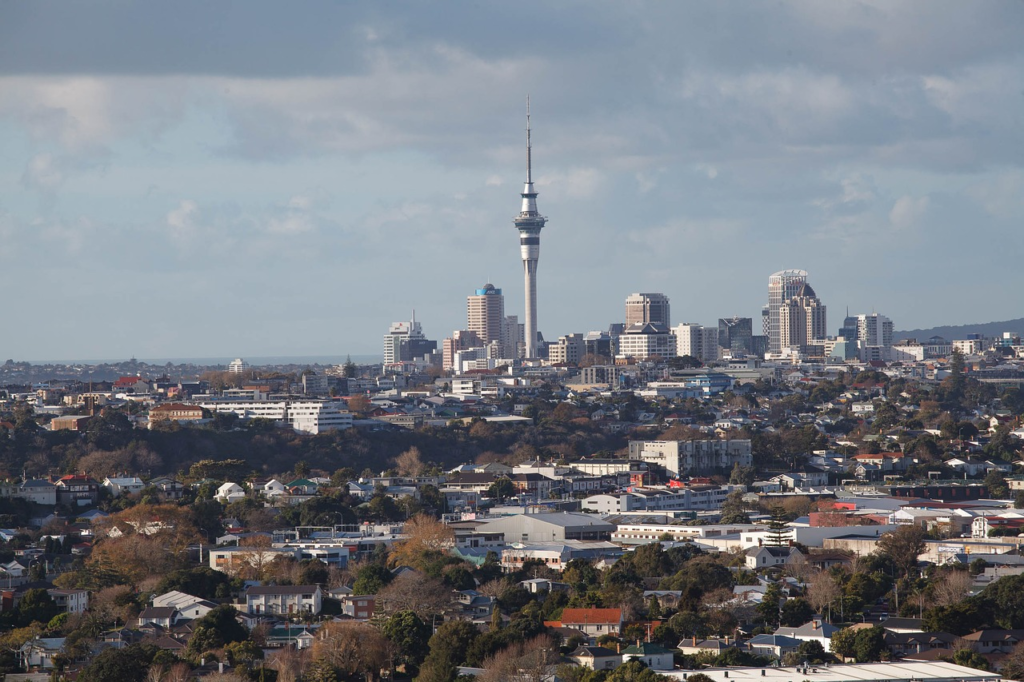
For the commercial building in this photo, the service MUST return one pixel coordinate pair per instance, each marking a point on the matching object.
(569, 349)
(874, 337)
(405, 342)
(305, 416)
(680, 458)
(549, 527)
(696, 341)
(647, 309)
(802, 320)
(782, 286)
(735, 334)
(644, 341)
(485, 314)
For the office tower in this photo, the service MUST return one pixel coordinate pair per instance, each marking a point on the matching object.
(529, 222)
(485, 314)
(696, 341)
(735, 333)
(874, 337)
(405, 342)
(801, 319)
(646, 341)
(849, 329)
(782, 286)
(647, 308)
(513, 336)
(457, 342)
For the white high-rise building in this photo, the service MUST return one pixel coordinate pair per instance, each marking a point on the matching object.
(399, 335)
(782, 286)
(802, 320)
(485, 313)
(874, 337)
(697, 341)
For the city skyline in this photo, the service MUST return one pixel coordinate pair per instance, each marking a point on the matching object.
(188, 192)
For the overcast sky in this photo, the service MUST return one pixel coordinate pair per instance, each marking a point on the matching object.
(185, 179)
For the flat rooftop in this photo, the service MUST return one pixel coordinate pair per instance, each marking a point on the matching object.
(938, 671)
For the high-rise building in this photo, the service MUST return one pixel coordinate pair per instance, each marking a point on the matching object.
(736, 334)
(696, 341)
(405, 342)
(802, 319)
(646, 309)
(513, 336)
(530, 222)
(874, 337)
(485, 314)
(646, 341)
(459, 341)
(782, 286)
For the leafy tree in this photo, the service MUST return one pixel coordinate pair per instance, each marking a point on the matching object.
(371, 579)
(36, 607)
(410, 635)
(796, 612)
(124, 665)
(768, 609)
(633, 671)
(733, 508)
(201, 581)
(869, 644)
(812, 651)
(970, 659)
(995, 481)
(448, 647)
(222, 621)
(501, 489)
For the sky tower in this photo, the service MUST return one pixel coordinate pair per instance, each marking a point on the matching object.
(529, 223)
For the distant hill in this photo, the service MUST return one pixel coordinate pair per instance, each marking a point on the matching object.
(953, 332)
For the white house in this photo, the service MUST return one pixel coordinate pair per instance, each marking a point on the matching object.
(71, 601)
(230, 492)
(125, 485)
(283, 599)
(814, 631)
(40, 652)
(653, 656)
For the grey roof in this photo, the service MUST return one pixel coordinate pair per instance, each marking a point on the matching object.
(774, 640)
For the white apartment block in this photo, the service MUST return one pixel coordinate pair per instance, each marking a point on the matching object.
(703, 498)
(696, 341)
(680, 458)
(969, 346)
(305, 416)
(283, 599)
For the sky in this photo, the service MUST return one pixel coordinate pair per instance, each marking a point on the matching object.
(266, 178)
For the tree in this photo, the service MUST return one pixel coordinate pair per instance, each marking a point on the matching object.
(903, 546)
(843, 643)
(410, 635)
(124, 665)
(635, 671)
(778, 528)
(425, 536)
(409, 463)
(36, 607)
(812, 651)
(371, 579)
(970, 659)
(348, 370)
(412, 591)
(995, 481)
(951, 587)
(354, 649)
(530, 661)
(734, 509)
(501, 489)
(448, 649)
(796, 612)
(823, 592)
(1013, 665)
(768, 609)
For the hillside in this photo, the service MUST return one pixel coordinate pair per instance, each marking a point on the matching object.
(952, 332)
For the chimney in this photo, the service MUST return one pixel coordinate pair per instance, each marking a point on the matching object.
(618, 647)
(762, 672)
(695, 640)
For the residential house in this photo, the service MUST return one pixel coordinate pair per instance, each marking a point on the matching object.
(592, 622)
(230, 492)
(126, 485)
(653, 656)
(39, 491)
(40, 652)
(767, 557)
(596, 658)
(815, 630)
(299, 636)
(169, 488)
(283, 599)
(71, 601)
(359, 607)
(164, 616)
(77, 490)
(773, 646)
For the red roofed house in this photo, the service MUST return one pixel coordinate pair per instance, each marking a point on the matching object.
(131, 385)
(77, 489)
(593, 622)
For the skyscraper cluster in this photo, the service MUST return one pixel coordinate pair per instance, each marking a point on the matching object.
(794, 323)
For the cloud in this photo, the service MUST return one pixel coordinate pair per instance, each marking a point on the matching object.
(908, 211)
(182, 221)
